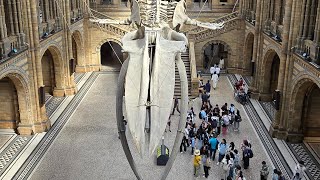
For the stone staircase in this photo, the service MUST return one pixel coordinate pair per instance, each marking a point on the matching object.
(231, 21)
(177, 88)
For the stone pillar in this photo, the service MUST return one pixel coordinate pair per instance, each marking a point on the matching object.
(300, 37)
(275, 127)
(3, 27)
(11, 23)
(46, 11)
(15, 17)
(317, 27)
(306, 19)
(311, 22)
(257, 30)
(71, 86)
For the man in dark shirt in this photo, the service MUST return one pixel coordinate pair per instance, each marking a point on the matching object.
(175, 105)
(207, 87)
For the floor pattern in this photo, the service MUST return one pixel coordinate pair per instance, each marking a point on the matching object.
(8, 155)
(269, 109)
(315, 147)
(302, 153)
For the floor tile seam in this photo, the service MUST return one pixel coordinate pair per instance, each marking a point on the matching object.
(309, 174)
(53, 131)
(262, 134)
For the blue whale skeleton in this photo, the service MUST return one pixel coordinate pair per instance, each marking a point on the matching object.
(146, 81)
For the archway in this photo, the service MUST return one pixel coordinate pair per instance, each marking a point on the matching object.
(270, 67)
(305, 109)
(14, 99)
(48, 72)
(77, 48)
(213, 52)
(248, 54)
(9, 105)
(74, 51)
(110, 53)
(311, 112)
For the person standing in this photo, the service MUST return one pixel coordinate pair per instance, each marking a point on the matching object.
(206, 165)
(221, 63)
(298, 171)
(247, 154)
(213, 141)
(175, 106)
(214, 79)
(196, 162)
(222, 150)
(237, 121)
(264, 172)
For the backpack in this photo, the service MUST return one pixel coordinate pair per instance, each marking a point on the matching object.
(214, 123)
(250, 153)
(238, 119)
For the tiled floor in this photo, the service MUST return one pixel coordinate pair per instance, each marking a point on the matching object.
(88, 147)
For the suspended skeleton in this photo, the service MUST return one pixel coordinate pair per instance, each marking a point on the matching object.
(150, 79)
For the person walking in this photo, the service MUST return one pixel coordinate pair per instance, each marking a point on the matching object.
(212, 70)
(196, 163)
(237, 121)
(207, 87)
(298, 171)
(175, 106)
(218, 70)
(213, 141)
(183, 144)
(214, 79)
(264, 172)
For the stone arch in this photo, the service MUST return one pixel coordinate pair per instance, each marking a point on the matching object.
(58, 65)
(229, 51)
(77, 48)
(20, 80)
(106, 42)
(248, 52)
(300, 87)
(270, 65)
